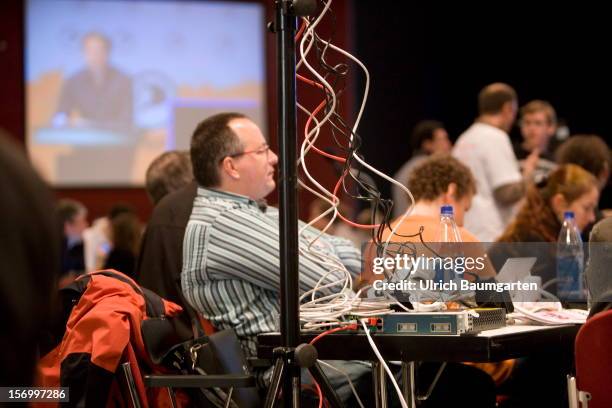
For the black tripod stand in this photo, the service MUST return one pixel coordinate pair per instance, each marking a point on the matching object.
(290, 358)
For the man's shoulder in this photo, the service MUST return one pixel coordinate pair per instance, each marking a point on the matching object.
(479, 130)
(213, 209)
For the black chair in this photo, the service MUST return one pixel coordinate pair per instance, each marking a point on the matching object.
(211, 369)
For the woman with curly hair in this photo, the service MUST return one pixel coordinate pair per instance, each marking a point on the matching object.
(438, 180)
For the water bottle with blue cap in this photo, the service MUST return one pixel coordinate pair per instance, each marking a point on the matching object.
(570, 261)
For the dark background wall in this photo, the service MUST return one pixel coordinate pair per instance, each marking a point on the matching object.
(430, 62)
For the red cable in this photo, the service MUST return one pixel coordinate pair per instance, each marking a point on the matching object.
(334, 330)
(309, 81)
(313, 147)
(341, 160)
(325, 154)
(320, 393)
(300, 31)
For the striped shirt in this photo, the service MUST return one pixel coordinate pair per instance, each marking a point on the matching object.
(231, 263)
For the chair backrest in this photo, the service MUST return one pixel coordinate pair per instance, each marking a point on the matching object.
(594, 359)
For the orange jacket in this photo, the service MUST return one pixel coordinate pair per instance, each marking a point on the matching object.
(104, 322)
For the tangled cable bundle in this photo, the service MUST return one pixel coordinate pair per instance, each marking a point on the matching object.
(318, 307)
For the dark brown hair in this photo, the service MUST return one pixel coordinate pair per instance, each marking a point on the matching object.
(587, 151)
(213, 140)
(492, 98)
(430, 179)
(167, 173)
(126, 232)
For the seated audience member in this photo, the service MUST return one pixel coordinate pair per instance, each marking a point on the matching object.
(437, 181)
(592, 154)
(72, 216)
(428, 137)
(597, 271)
(97, 238)
(125, 241)
(171, 187)
(538, 125)
(167, 173)
(568, 188)
(231, 272)
(30, 254)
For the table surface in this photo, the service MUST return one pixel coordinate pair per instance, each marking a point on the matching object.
(492, 345)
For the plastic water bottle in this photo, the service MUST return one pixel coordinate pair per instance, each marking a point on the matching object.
(448, 228)
(449, 234)
(570, 261)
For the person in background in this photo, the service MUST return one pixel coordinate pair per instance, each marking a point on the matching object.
(538, 125)
(540, 379)
(171, 187)
(428, 137)
(169, 172)
(441, 180)
(72, 217)
(568, 188)
(486, 149)
(591, 153)
(438, 180)
(125, 241)
(97, 237)
(30, 253)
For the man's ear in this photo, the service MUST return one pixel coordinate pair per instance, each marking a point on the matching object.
(228, 167)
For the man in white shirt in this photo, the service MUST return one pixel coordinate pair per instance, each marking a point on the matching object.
(486, 149)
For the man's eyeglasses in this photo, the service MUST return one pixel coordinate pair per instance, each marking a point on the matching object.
(259, 151)
(262, 150)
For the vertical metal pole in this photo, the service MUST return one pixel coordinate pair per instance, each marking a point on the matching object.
(288, 223)
(408, 382)
(382, 377)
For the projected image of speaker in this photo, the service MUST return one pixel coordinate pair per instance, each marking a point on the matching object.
(106, 91)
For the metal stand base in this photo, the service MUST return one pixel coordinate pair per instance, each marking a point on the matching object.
(304, 356)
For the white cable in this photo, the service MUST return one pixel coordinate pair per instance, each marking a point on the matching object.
(358, 119)
(327, 309)
(366, 165)
(347, 377)
(391, 376)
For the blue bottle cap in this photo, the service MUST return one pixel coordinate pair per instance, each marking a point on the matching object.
(446, 210)
(568, 215)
